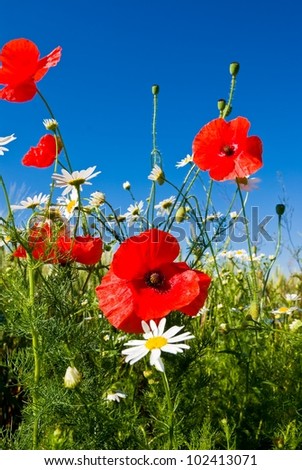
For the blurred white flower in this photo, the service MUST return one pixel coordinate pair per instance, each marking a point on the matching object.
(97, 199)
(127, 185)
(31, 202)
(115, 396)
(50, 124)
(292, 297)
(5, 141)
(248, 184)
(184, 161)
(134, 212)
(164, 207)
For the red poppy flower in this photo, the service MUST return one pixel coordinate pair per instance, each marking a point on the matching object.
(42, 245)
(144, 282)
(44, 154)
(226, 151)
(86, 249)
(22, 68)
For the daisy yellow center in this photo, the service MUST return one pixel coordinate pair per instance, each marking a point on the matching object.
(282, 310)
(228, 150)
(156, 342)
(77, 182)
(135, 211)
(166, 204)
(70, 206)
(154, 279)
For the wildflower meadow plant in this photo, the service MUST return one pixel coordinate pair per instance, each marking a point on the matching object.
(81, 281)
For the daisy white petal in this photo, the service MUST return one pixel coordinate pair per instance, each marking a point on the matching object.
(4, 141)
(184, 161)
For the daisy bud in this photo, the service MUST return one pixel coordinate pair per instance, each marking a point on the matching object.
(234, 68)
(280, 209)
(155, 89)
(180, 214)
(72, 377)
(221, 104)
(126, 185)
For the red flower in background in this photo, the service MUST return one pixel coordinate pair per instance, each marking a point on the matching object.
(86, 249)
(44, 154)
(144, 282)
(226, 151)
(42, 245)
(22, 68)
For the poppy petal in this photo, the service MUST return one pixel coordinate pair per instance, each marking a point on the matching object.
(117, 303)
(143, 253)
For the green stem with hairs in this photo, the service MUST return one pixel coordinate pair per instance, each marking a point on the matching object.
(58, 129)
(35, 347)
(170, 411)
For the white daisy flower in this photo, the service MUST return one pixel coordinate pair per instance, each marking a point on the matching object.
(292, 297)
(156, 341)
(284, 310)
(31, 202)
(75, 179)
(5, 141)
(69, 203)
(184, 161)
(248, 184)
(50, 124)
(157, 175)
(134, 212)
(115, 396)
(164, 207)
(97, 199)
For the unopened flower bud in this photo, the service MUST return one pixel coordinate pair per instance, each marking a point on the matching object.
(221, 104)
(126, 185)
(280, 209)
(234, 68)
(155, 89)
(254, 310)
(72, 377)
(180, 214)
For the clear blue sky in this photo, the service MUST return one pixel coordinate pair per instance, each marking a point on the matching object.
(113, 51)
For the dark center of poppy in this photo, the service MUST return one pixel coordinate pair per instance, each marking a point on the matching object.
(154, 279)
(228, 150)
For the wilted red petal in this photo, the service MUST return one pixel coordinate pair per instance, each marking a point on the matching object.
(117, 304)
(145, 252)
(44, 154)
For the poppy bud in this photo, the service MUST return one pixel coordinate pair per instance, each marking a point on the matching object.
(280, 209)
(180, 214)
(254, 310)
(234, 68)
(155, 89)
(221, 104)
(72, 377)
